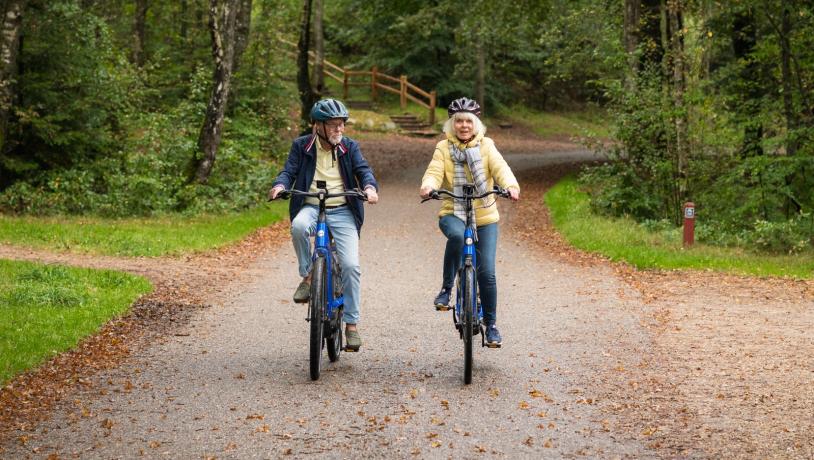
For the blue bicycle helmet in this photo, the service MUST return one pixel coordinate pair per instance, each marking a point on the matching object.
(329, 108)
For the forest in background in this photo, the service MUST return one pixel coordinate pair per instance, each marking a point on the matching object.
(143, 107)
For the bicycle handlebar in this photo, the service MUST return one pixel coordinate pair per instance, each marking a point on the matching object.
(322, 194)
(436, 194)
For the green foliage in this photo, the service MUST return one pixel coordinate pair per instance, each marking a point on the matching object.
(172, 234)
(47, 309)
(100, 136)
(658, 244)
(75, 89)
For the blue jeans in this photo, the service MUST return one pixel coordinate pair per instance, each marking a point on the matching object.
(343, 228)
(453, 228)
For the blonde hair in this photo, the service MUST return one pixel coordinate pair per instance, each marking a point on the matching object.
(449, 125)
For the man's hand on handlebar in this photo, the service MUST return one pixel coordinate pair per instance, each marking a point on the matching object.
(372, 196)
(275, 192)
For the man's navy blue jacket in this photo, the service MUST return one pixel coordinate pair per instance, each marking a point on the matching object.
(301, 166)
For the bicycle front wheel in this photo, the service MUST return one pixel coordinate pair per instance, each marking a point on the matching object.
(317, 308)
(468, 320)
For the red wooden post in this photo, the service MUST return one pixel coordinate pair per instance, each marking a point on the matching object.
(403, 92)
(689, 224)
(374, 93)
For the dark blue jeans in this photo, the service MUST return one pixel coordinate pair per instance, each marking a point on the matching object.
(453, 228)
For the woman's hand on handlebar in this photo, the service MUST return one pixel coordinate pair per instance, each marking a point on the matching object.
(514, 193)
(425, 191)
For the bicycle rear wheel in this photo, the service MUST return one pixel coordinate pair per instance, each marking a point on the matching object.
(317, 317)
(468, 308)
(334, 340)
(334, 336)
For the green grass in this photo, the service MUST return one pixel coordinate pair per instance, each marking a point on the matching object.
(546, 124)
(47, 309)
(137, 237)
(625, 240)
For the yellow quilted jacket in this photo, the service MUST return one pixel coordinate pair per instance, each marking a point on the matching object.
(440, 172)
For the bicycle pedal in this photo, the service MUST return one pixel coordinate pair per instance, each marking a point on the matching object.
(439, 307)
(492, 345)
(350, 350)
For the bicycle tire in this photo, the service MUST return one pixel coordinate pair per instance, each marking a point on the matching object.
(334, 340)
(317, 309)
(467, 325)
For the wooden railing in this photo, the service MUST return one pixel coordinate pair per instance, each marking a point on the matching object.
(374, 80)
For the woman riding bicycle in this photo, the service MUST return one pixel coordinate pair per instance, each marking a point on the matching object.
(327, 155)
(467, 156)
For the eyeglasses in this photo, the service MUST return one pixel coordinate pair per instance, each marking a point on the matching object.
(335, 126)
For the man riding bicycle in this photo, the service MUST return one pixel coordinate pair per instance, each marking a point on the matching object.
(326, 155)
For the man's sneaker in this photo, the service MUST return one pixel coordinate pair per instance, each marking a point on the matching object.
(493, 338)
(442, 300)
(303, 292)
(352, 340)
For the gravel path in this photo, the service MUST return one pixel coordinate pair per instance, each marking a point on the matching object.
(590, 367)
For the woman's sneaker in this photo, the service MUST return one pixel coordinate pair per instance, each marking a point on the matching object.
(442, 300)
(493, 338)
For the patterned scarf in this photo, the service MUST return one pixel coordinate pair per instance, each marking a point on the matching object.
(468, 155)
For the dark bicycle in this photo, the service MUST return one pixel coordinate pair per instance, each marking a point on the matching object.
(467, 313)
(326, 304)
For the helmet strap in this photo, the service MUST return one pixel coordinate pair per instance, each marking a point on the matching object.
(324, 137)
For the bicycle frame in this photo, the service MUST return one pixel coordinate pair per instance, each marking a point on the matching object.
(322, 248)
(469, 256)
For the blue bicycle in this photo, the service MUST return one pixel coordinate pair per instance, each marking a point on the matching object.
(468, 314)
(326, 304)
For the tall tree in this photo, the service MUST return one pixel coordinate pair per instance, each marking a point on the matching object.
(222, 15)
(307, 95)
(675, 12)
(243, 24)
(139, 31)
(631, 40)
(319, 48)
(12, 19)
(750, 89)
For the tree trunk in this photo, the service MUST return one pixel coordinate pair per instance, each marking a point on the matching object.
(222, 28)
(792, 121)
(744, 40)
(631, 39)
(9, 48)
(243, 24)
(307, 96)
(679, 81)
(139, 28)
(650, 34)
(319, 49)
(183, 22)
(480, 76)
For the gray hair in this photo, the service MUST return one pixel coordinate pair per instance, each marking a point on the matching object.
(449, 126)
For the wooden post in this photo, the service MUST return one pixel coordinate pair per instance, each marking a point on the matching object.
(345, 85)
(374, 94)
(403, 92)
(432, 109)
